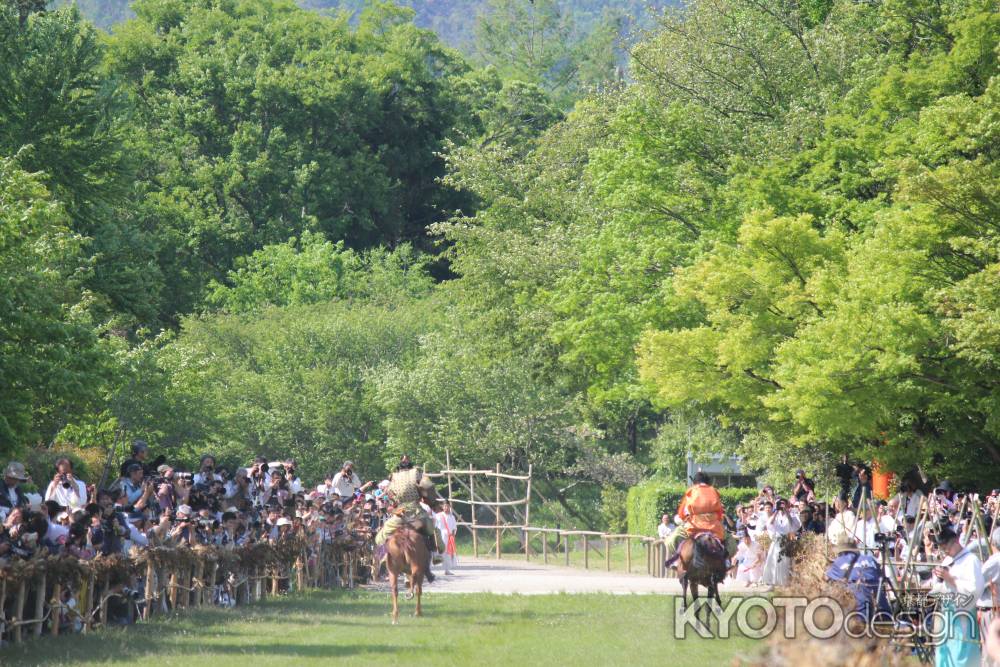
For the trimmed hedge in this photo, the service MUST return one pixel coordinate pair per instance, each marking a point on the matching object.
(651, 499)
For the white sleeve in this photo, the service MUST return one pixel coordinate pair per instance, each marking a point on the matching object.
(50, 492)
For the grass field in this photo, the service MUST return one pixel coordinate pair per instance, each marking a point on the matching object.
(343, 628)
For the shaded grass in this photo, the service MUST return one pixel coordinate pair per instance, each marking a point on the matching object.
(353, 628)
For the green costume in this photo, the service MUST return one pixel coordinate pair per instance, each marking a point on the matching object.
(406, 487)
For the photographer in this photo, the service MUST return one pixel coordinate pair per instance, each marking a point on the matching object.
(140, 451)
(136, 491)
(163, 485)
(278, 490)
(65, 488)
(206, 471)
(803, 491)
(110, 527)
(11, 494)
(780, 526)
(183, 532)
(346, 482)
(294, 483)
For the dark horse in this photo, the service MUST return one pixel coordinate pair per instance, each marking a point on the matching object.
(406, 553)
(702, 562)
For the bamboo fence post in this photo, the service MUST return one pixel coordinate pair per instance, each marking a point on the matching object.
(566, 547)
(198, 583)
(173, 590)
(496, 511)
(472, 498)
(214, 575)
(628, 555)
(88, 608)
(586, 553)
(148, 593)
(447, 465)
(545, 548)
(40, 605)
(275, 579)
(56, 608)
(22, 593)
(103, 600)
(527, 517)
(607, 553)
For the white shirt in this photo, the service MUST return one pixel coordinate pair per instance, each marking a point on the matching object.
(201, 478)
(344, 485)
(664, 530)
(74, 497)
(968, 574)
(781, 523)
(55, 531)
(845, 521)
(446, 525)
(991, 575)
(295, 485)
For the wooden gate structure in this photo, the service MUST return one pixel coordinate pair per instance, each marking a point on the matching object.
(506, 510)
(495, 503)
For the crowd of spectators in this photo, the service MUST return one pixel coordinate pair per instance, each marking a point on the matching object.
(151, 504)
(156, 504)
(930, 539)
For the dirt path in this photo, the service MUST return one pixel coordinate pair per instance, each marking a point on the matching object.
(480, 575)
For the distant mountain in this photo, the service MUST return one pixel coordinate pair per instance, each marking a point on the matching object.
(453, 20)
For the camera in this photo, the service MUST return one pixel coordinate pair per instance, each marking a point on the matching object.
(65, 481)
(882, 539)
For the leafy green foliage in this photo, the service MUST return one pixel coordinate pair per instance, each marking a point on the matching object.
(50, 358)
(262, 121)
(316, 271)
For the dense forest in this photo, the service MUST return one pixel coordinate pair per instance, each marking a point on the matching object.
(242, 227)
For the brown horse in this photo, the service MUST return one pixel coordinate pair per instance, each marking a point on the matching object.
(702, 562)
(406, 553)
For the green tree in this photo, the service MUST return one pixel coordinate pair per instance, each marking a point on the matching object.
(52, 364)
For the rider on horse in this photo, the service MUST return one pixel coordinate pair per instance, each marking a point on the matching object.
(701, 512)
(406, 487)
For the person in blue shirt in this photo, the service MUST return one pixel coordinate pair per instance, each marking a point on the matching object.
(861, 573)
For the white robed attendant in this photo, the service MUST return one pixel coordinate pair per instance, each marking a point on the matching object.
(446, 525)
(776, 566)
(958, 582)
(750, 562)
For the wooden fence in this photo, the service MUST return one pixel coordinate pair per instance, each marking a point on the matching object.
(485, 492)
(60, 593)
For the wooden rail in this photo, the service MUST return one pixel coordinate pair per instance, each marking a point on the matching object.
(653, 549)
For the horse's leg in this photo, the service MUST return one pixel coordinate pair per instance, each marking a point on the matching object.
(418, 587)
(694, 599)
(394, 585)
(684, 592)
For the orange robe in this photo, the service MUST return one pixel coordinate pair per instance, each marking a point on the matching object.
(701, 511)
